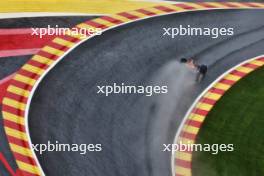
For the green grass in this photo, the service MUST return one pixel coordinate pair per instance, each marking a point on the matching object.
(237, 118)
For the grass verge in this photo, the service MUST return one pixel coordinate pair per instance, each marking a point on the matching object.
(237, 118)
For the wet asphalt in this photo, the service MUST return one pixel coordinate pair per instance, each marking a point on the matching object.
(132, 128)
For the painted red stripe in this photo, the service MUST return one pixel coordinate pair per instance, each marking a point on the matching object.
(112, 20)
(208, 101)
(250, 4)
(6, 164)
(16, 97)
(87, 32)
(14, 125)
(200, 111)
(261, 59)
(48, 55)
(21, 85)
(164, 9)
(187, 151)
(238, 73)
(249, 65)
(205, 4)
(25, 173)
(28, 74)
(185, 6)
(227, 81)
(188, 135)
(37, 64)
(193, 123)
(183, 163)
(95, 24)
(128, 15)
(4, 83)
(217, 91)
(70, 39)
(24, 159)
(18, 52)
(146, 12)
(17, 141)
(16, 31)
(25, 41)
(13, 110)
(178, 174)
(58, 46)
(229, 4)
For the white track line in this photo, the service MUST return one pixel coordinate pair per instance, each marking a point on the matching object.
(32, 92)
(197, 100)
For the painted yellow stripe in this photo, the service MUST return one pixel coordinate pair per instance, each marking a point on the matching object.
(197, 117)
(21, 150)
(178, 9)
(184, 140)
(244, 69)
(256, 62)
(89, 27)
(196, 6)
(121, 18)
(18, 91)
(208, 107)
(216, 5)
(13, 118)
(74, 34)
(14, 104)
(104, 22)
(213, 96)
(154, 10)
(83, 25)
(27, 167)
(138, 14)
(222, 86)
(232, 77)
(184, 130)
(15, 133)
(76, 6)
(53, 51)
(191, 129)
(63, 42)
(183, 155)
(261, 5)
(182, 171)
(33, 69)
(24, 79)
(204, 106)
(239, 4)
(42, 60)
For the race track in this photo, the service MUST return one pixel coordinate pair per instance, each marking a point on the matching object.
(9, 65)
(132, 128)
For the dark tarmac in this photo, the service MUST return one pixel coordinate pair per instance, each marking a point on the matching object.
(132, 128)
(9, 65)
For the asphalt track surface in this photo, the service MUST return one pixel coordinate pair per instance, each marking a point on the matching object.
(9, 65)
(132, 128)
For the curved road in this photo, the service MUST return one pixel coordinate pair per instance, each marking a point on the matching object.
(132, 128)
(9, 65)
